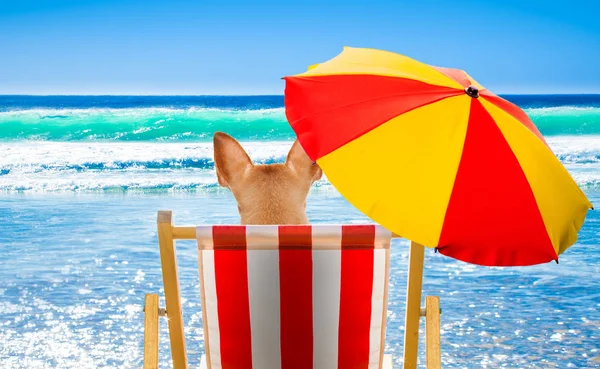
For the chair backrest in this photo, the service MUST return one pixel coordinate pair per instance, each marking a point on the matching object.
(305, 297)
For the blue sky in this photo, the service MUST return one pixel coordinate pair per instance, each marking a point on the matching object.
(245, 47)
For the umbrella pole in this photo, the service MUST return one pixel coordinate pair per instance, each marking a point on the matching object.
(413, 305)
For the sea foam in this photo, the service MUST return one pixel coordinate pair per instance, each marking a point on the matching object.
(145, 166)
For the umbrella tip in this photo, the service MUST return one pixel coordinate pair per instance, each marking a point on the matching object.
(556, 260)
(472, 91)
(435, 250)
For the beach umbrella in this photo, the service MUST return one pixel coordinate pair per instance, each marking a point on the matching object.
(430, 154)
(433, 156)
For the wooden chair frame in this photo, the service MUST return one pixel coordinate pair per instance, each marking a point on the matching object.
(168, 234)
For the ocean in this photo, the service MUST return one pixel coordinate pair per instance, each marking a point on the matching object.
(81, 180)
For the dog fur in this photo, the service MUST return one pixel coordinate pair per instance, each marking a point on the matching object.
(265, 193)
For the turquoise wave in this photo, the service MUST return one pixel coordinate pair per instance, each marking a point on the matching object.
(198, 124)
(143, 124)
(566, 120)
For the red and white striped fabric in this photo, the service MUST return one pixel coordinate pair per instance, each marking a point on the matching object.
(294, 297)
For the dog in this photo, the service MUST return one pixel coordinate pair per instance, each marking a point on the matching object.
(265, 193)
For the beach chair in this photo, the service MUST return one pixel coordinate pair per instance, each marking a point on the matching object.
(310, 296)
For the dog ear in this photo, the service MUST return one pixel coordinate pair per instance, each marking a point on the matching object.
(298, 161)
(231, 160)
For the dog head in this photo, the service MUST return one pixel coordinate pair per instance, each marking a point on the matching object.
(265, 193)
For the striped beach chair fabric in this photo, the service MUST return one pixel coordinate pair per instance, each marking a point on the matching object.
(294, 297)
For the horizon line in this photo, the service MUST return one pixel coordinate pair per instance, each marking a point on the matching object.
(252, 95)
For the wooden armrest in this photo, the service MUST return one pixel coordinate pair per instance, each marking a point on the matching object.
(151, 314)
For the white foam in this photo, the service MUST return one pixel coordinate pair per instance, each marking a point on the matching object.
(78, 166)
(576, 149)
(574, 144)
(51, 112)
(566, 109)
(56, 166)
